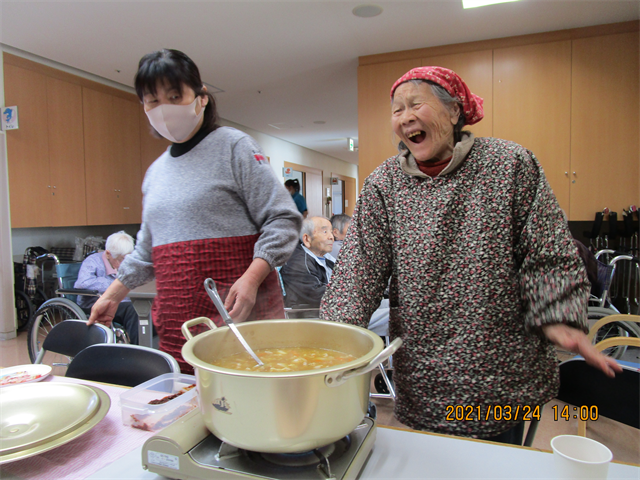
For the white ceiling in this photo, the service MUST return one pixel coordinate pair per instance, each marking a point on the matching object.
(287, 63)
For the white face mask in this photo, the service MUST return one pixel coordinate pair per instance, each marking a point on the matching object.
(175, 122)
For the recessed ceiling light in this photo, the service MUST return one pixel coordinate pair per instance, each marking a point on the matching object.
(482, 3)
(367, 11)
(319, 122)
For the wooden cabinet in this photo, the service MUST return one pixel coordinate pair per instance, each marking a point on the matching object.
(81, 151)
(604, 125)
(571, 97)
(45, 154)
(475, 69)
(376, 140)
(532, 106)
(66, 153)
(112, 159)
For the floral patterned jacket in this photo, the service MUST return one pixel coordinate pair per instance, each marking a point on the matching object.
(479, 257)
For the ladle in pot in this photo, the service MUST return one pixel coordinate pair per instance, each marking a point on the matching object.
(210, 287)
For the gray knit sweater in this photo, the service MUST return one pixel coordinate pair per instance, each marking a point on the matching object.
(224, 187)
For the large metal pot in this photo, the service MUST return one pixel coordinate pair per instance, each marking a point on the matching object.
(283, 412)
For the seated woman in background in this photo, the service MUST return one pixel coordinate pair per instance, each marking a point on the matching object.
(98, 271)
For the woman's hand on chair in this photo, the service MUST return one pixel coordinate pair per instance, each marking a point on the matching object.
(105, 308)
(574, 340)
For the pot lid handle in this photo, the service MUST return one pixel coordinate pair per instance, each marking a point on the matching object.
(338, 378)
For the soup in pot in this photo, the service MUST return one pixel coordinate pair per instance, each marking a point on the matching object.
(286, 359)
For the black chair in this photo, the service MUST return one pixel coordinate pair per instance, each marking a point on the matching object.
(71, 337)
(616, 398)
(121, 364)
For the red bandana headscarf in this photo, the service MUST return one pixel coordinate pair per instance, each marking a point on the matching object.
(452, 83)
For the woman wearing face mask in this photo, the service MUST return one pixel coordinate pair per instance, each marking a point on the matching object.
(212, 207)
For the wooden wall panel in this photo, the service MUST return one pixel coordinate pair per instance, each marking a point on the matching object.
(130, 168)
(112, 159)
(532, 106)
(28, 148)
(66, 153)
(376, 141)
(605, 125)
(475, 68)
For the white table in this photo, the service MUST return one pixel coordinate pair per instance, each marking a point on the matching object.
(399, 454)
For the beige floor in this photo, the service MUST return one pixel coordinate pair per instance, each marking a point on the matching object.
(623, 441)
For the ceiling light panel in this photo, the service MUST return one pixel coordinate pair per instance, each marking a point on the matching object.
(482, 3)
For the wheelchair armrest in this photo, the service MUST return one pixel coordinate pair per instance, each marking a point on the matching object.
(78, 291)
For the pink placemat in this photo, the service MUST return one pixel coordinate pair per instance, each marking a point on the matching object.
(103, 444)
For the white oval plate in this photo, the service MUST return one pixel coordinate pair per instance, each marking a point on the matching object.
(23, 374)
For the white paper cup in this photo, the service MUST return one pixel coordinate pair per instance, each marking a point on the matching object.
(580, 457)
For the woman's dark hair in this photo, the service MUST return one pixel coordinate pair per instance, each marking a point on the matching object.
(293, 183)
(175, 69)
(448, 101)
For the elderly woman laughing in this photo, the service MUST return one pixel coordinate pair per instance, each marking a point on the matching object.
(485, 278)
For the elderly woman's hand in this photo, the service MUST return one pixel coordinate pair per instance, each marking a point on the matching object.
(576, 341)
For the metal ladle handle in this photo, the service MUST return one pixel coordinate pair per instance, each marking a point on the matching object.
(210, 287)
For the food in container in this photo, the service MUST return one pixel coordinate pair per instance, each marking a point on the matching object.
(159, 402)
(286, 359)
(283, 412)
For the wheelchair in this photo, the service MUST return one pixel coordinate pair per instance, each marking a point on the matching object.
(28, 294)
(600, 306)
(60, 308)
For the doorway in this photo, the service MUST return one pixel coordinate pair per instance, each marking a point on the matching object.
(344, 196)
(310, 186)
(337, 196)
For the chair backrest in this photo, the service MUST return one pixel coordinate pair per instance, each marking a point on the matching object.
(121, 364)
(67, 276)
(616, 398)
(71, 336)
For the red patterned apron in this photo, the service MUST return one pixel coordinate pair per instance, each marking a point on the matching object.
(181, 269)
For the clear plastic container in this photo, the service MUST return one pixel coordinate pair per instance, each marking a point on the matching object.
(139, 413)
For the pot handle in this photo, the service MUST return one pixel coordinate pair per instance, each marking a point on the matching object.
(196, 321)
(338, 378)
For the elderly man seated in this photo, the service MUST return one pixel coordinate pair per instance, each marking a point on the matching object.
(308, 271)
(340, 224)
(99, 270)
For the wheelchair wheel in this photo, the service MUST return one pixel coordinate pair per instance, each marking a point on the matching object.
(24, 309)
(49, 314)
(615, 329)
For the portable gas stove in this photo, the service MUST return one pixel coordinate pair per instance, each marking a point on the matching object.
(187, 450)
